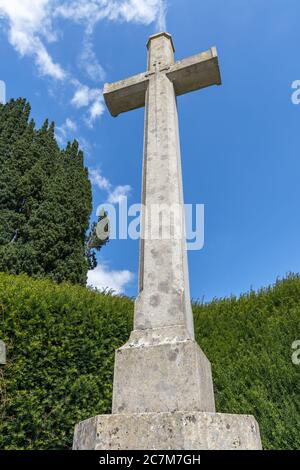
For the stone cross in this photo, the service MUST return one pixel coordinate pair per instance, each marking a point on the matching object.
(163, 307)
(163, 390)
(164, 299)
(2, 353)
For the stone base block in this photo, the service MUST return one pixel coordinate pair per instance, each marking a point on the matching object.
(168, 431)
(163, 377)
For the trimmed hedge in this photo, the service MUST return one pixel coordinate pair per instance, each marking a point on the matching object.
(61, 341)
(249, 342)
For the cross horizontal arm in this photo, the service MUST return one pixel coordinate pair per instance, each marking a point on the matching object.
(193, 73)
(126, 95)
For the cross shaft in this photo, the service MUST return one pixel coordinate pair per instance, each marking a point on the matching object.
(164, 298)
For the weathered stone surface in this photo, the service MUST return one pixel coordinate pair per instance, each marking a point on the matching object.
(126, 95)
(187, 75)
(2, 352)
(169, 431)
(195, 72)
(168, 376)
(164, 294)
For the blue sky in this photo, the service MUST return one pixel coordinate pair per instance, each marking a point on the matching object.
(240, 142)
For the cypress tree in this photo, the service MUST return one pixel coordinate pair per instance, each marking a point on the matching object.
(45, 201)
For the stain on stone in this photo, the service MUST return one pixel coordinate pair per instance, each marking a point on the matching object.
(148, 324)
(172, 355)
(171, 311)
(163, 287)
(154, 253)
(191, 419)
(154, 300)
(237, 442)
(227, 426)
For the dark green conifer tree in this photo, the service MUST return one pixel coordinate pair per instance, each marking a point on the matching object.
(45, 201)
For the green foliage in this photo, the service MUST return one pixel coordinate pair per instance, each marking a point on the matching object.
(249, 342)
(61, 341)
(45, 200)
(97, 238)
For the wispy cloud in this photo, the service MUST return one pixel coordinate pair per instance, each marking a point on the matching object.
(91, 97)
(69, 131)
(116, 194)
(91, 12)
(32, 25)
(88, 62)
(102, 278)
(70, 125)
(99, 180)
(2, 92)
(63, 132)
(29, 23)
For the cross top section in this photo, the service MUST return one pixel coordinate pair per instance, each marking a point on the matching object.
(160, 51)
(190, 74)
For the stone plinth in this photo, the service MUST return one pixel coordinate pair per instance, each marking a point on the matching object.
(168, 431)
(157, 372)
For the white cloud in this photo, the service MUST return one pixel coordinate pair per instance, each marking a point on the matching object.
(90, 12)
(91, 97)
(88, 62)
(101, 278)
(114, 195)
(141, 11)
(32, 24)
(29, 20)
(118, 194)
(82, 96)
(2, 92)
(65, 131)
(71, 125)
(96, 110)
(98, 180)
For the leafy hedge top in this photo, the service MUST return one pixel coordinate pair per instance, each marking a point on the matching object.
(61, 341)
